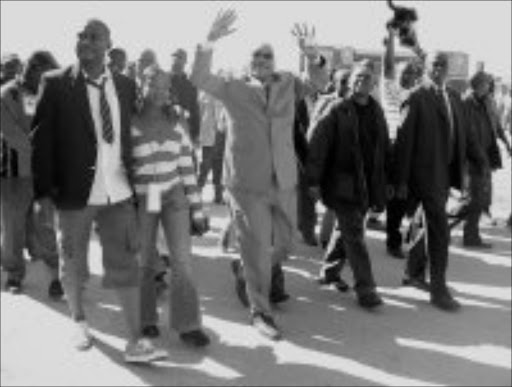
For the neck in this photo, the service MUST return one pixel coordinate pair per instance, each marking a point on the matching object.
(93, 69)
(361, 99)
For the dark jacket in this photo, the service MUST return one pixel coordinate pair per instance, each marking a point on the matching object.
(64, 139)
(481, 121)
(184, 94)
(335, 160)
(422, 144)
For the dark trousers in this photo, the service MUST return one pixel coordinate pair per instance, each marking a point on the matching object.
(348, 243)
(306, 210)
(479, 190)
(211, 160)
(395, 212)
(437, 236)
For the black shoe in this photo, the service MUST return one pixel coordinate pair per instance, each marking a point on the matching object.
(240, 288)
(278, 297)
(369, 300)
(55, 290)
(418, 283)
(151, 331)
(310, 240)
(477, 244)
(445, 301)
(324, 244)
(196, 338)
(375, 224)
(266, 326)
(13, 286)
(396, 252)
(337, 281)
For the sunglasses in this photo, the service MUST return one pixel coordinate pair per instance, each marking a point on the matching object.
(264, 55)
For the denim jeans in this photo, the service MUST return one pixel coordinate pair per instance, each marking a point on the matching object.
(174, 216)
(22, 227)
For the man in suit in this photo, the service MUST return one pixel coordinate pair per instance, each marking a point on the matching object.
(81, 158)
(21, 227)
(260, 163)
(432, 145)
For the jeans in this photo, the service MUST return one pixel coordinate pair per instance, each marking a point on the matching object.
(348, 243)
(22, 227)
(174, 216)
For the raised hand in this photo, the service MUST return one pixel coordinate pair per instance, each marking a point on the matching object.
(222, 26)
(305, 39)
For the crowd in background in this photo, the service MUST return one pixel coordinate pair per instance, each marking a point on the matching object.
(125, 148)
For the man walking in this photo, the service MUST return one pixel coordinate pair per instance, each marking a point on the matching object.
(260, 161)
(81, 155)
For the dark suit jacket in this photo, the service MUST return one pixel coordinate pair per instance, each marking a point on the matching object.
(64, 139)
(422, 145)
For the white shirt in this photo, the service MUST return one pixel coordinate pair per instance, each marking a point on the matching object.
(110, 184)
(392, 97)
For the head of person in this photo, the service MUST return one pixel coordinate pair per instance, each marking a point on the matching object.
(11, 67)
(93, 43)
(146, 59)
(38, 63)
(362, 79)
(117, 60)
(262, 65)
(408, 74)
(178, 60)
(438, 67)
(155, 86)
(480, 83)
(340, 81)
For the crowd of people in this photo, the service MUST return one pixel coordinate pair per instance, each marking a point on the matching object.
(123, 149)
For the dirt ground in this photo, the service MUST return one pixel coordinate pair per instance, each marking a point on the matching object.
(328, 339)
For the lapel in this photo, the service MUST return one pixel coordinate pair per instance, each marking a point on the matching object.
(81, 98)
(442, 110)
(258, 91)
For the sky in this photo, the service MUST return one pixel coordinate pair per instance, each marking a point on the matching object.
(483, 29)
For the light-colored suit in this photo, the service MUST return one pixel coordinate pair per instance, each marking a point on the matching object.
(260, 165)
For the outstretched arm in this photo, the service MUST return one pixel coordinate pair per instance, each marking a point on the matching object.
(202, 76)
(317, 76)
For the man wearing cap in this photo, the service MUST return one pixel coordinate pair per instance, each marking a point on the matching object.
(184, 93)
(432, 147)
(260, 162)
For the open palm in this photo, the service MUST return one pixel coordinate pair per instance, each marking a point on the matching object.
(222, 26)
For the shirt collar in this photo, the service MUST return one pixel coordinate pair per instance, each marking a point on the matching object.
(106, 75)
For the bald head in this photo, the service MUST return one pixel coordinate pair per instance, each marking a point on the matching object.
(263, 62)
(93, 42)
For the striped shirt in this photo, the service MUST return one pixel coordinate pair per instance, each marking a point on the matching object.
(163, 158)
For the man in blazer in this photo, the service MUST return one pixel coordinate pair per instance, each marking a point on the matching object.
(433, 143)
(260, 172)
(80, 164)
(20, 225)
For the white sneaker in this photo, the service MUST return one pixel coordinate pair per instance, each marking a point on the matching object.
(143, 351)
(82, 338)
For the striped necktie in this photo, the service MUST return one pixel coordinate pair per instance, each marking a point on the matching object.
(106, 116)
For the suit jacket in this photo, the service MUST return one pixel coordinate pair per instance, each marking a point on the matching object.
(14, 133)
(422, 144)
(64, 139)
(335, 161)
(185, 95)
(259, 143)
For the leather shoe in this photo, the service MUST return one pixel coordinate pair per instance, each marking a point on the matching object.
(477, 244)
(396, 252)
(418, 283)
(445, 301)
(369, 300)
(151, 331)
(266, 326)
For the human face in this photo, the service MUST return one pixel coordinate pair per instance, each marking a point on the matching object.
(408, 76)
(33, 75)
(437, 69)
(340, 80)
(117, 62)
(483, 88)
(11, 69)
(262, 63)
(156, 85)
(93, 43)
(146, 59)
(362, 82)
(178, 63)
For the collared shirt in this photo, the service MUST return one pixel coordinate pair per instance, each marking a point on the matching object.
(110, 184)
(392, 97)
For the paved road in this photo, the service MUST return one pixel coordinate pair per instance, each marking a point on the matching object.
(329, 340)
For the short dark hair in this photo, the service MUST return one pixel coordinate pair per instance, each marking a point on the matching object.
(116, 51)
(41, 58)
